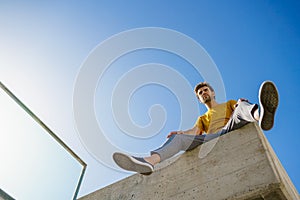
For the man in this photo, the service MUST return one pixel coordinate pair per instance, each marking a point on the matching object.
(218, 120)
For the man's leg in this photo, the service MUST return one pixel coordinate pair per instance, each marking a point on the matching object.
(175, 144)
(246, 112)
(242, 115)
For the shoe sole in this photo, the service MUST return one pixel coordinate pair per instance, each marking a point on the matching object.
(128, 163)
(268, 99)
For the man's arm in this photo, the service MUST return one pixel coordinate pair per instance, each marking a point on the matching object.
(193, 131)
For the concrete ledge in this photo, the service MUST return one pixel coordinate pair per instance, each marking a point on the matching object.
(5, 196)
(238, 165)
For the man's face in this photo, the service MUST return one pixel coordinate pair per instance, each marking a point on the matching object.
(205, 95)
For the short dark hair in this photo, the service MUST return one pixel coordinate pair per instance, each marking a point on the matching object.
(202, 84)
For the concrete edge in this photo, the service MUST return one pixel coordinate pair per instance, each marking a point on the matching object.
(286, 184)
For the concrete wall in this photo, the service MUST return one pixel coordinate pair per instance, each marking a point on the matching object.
(238, 165)
(5, 196)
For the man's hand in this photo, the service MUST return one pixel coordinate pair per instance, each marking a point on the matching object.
(174, 132)
(193, 131)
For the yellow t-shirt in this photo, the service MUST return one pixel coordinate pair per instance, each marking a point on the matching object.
(216, 118)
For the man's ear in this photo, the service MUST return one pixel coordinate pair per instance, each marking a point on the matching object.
(197, 96)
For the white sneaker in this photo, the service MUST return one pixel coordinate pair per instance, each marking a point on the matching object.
(268, 99)
(132, 163)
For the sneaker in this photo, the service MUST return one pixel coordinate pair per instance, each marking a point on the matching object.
(132, 163)
(268, 99)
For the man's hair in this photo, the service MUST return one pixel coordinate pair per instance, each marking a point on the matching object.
(202, 84)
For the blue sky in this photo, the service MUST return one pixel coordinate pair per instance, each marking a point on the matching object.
(44, 45)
